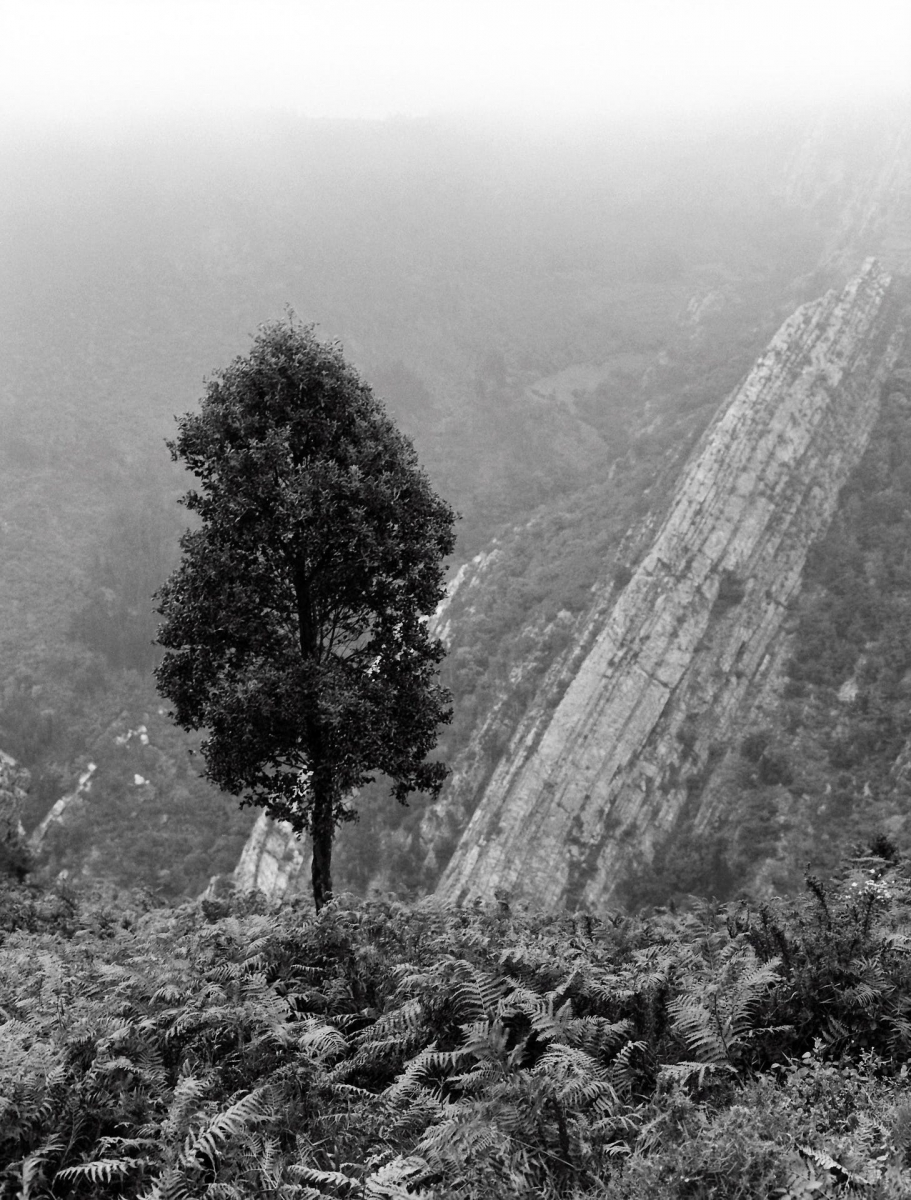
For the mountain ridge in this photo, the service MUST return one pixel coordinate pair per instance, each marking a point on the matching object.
(636, 734)
(789, 436)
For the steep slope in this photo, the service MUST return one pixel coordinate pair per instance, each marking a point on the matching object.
(14, 782)
(852, 173)
(506, 295)
(273, 861)
(621, 741)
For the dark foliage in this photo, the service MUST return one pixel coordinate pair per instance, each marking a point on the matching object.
(295, 627)
(231, 1050)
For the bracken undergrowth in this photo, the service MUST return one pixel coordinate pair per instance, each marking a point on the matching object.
(227, 1049)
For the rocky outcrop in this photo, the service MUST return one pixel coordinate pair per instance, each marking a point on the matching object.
(853, 173)
(15, 859)
(65, 811)
(623, 739)
(273, 861)
(14, 784)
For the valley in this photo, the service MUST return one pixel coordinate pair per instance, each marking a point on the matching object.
(562, 356)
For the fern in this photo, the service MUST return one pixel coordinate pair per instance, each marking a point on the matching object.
(100, 1170)
(577, 1080)
(334, 1179)
(477, 993)
(398, 1180)
(714, 1013)
(233, 1122)
(33, 1167)
(172, 1185)
(684, 1072)
(320, 1040)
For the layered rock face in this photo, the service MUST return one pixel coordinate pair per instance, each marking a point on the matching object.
(855, 175)
(66, 811)
(14, 783)
(273, 860)
(619, 747)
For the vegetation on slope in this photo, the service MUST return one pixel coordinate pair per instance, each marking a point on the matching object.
(832, 759)
(828, 756)
(532, 310)
(224, 1049)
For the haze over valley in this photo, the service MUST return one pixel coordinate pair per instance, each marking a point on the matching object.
(635, 280)
(554, 289)
(553, 317)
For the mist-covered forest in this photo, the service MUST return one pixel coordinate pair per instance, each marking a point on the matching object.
(552, 317)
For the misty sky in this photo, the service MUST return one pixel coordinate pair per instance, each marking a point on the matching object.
(87, 59)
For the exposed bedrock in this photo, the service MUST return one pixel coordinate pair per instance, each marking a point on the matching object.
(603, 768)
(273, 860)
(856, 177)
(14, 784)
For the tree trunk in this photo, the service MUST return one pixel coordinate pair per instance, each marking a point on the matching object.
(321, 834)
(322, 791)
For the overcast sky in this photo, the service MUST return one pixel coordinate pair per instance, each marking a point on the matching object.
(86, 59)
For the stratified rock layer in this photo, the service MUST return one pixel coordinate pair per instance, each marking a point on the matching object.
(854, 174)
(66, 811)
(273, 861)
(603, 768)
(14, 783)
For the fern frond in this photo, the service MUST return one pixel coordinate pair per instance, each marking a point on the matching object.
(698, 1028)
(171, 1185)
(476, 993)
(622, 1073)
(479, 1078)
(334, 1178)
(484, 1040)
(576, 1079)
(844, 1174)
(394, 1034)
(100, 1170)
(320, 1040)
(411, 1079)
(168, 993)
(33, 1165)
(107, 1144)
(398, 1179)
(187, 1096)
(900, 1037)
(683, 1072)
(232, 1123)
(597, 1035)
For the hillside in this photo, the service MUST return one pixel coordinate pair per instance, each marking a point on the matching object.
(554, 319)
(616, 754)
(526, 611)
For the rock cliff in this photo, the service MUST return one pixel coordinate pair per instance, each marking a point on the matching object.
(273, 861)
(65, 811)
(853, 173)
(14, 783)
(622, 740)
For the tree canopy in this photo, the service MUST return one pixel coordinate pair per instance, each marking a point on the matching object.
(295, 627)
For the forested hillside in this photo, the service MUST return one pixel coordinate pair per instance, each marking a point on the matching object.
(554, 318)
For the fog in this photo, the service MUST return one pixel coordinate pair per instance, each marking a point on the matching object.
(552, 239)
(103, 61)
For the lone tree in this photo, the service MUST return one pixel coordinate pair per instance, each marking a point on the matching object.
(296, 624)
